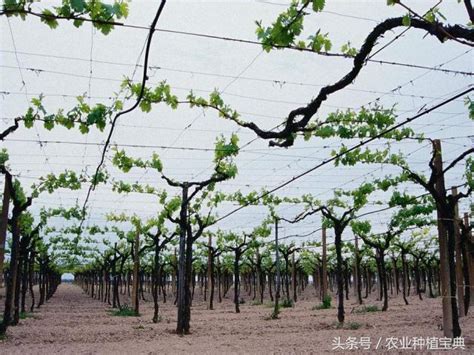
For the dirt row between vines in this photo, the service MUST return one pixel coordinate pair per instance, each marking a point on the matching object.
(73, 323)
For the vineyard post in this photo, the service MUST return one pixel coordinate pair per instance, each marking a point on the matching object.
(293, 277)
(324, 281)
(378, 257)
(470, 260)
(459, 260)
(4, 224)
(259, 275)
(354, 267)
(183, 220)
(354, 281)
(136, 266)
(277, 266)
(209, 272)
(443, 248)
(114, 278)
(357, 282)
(173, 276)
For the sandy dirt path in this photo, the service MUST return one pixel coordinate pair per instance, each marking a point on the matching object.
(73, 323)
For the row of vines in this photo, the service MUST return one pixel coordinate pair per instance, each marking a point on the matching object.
(426, 247)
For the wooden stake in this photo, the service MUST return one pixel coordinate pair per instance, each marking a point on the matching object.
(4, 224)
(209, 271)
(277, 261)
(459, 261)
(443, 248)
(470, 261)
(183, 322)
(136, 266)
(324, 281)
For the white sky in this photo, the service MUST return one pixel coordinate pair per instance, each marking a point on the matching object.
(76, 61)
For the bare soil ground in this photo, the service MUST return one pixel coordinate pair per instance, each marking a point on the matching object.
(73, 323)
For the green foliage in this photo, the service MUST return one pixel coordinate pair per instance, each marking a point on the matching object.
(101, 14)
(307, 258)
(413, 212)
(361, 227)
(283, 32)
(470, 105)
(224, 152)
(418, 214)
(224, 149)
(19, 192)
(433, 15)
(82, 114)
(96, 116)
(326, 301)
(318, 5)
(271, 201)
(325, 304)
(68, 179)
(365, 123)
(160, 94)
(100, 176)
(288, 27)
(25, 315)
(348, 50)
(125, 311)
(469, 172)
(216, 102)
(406, 20)
(287, 303)
(123, 162)
(126, 163)
(353, 325)
(49, 19)
(343, 199)
(224, 167)
(3, 156)
(320, 42)
(26, 222)
(13, 5)
(372, 308)
(367, 309)
(361, 194)
(123, 187)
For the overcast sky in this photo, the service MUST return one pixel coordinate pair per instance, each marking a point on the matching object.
(263, 87)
